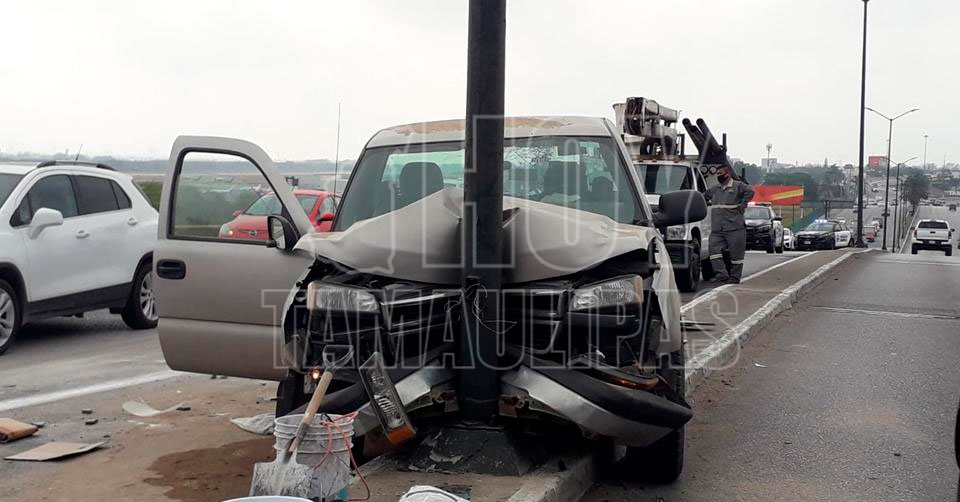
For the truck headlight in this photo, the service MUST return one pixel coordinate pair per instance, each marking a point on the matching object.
(322, 296)
(677, 233)
(623, 291)
(763, 228)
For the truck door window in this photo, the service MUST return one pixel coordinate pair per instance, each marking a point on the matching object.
(222, 197)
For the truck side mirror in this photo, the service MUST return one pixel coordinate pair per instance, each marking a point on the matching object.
(679, 208)
(282, 234)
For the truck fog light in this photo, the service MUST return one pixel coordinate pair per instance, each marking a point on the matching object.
(385, 401)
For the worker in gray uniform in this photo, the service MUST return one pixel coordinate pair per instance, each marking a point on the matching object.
(728, 201)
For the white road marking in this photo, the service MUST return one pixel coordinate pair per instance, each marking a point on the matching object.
(713, 293)
(910, 315)
(909, 262)
(49, 397)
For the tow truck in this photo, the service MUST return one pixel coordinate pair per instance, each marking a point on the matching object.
(658, 152)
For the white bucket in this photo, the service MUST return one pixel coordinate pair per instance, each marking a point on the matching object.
(323, 447)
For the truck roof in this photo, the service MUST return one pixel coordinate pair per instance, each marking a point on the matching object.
(514, 127)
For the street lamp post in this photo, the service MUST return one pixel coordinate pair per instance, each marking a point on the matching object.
(863, 104)
(898, 211)
(924, 152)
(886, 194)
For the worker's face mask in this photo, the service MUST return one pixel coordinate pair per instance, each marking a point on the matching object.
(722, 177)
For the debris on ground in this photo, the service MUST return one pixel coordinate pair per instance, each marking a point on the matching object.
(55, 450)
(144, 410)
(261, 424)
(39, 424)
(183, 407)
(12, 430)
(424, 493)
(87, 411)
(759, 365)
(91, 421)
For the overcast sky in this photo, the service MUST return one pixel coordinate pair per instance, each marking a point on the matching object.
(126, 77)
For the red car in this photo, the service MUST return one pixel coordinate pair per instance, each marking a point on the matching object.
(251, 223)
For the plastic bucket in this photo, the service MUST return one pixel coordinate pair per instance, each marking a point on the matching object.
(324, 447)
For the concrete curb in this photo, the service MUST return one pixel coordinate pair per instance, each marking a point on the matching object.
(725, 351)
(550, 484)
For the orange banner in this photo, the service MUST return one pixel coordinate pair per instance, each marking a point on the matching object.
(778, 195)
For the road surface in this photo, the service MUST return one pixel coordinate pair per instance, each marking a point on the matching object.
(850, 396)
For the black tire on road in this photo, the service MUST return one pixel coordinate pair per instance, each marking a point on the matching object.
(11, 315)
(662, 462)
(949, 251)
(689, 279)
(913, 249)
(140, 311)
(290, 395)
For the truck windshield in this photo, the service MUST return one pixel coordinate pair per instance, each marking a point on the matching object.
(939, 225)
(7, 183)
(584, 173)
(660, 179)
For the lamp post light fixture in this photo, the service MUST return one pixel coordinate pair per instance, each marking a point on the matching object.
(886, 195)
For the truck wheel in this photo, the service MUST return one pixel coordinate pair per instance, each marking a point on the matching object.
(689, 280)
(290, 395)
(706, 269)
(913, 249)
(662, 462)
(10, 315)
(948, 251)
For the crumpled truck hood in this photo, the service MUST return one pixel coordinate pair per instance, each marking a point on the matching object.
(421, 243)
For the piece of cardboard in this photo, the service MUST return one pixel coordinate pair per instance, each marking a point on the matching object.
(12, 430)
(55, 450)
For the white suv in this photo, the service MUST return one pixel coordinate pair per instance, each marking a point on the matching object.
(74, 237)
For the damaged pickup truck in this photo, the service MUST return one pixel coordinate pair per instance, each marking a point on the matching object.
(589, 336)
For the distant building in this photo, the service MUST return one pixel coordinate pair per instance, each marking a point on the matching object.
(770, 163)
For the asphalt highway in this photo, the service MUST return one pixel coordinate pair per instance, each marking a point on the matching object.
(850, 396)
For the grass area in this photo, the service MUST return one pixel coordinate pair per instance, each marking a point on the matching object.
(152, 189)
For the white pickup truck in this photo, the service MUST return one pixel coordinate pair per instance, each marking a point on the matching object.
(933, 235)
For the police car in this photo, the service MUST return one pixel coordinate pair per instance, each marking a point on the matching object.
(824, 234)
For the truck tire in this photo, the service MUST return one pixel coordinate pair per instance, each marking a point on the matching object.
(11, 315)
(689, 279)
(662, 462)
(706, 270)
(948, 250)
(290, 395)
(913, 249)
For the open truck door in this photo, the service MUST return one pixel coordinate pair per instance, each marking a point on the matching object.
(243, 282)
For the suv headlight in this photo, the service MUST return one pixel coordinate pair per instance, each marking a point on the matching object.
(677, 233)
(623, 291)
(763, 228)
(322, 296)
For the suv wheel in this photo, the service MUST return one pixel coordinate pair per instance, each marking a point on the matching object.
(662, 462)
(141, 309)
(9, 315)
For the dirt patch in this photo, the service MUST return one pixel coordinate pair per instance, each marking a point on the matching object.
(224, 471)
